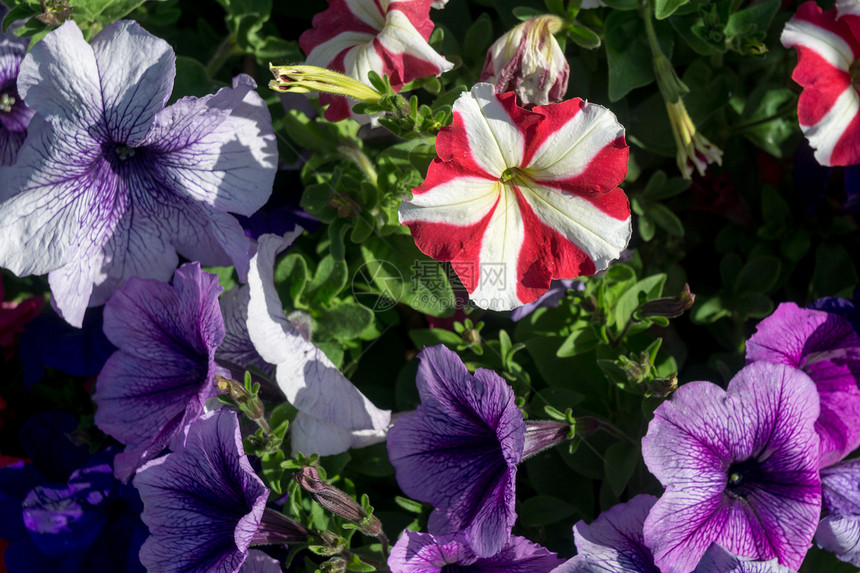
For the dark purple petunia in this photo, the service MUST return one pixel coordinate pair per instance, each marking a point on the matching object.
(825, 346)
(164, 371)
(740, 468)
(718, 560)
(839, 531)
(14, 114)
(459, 451)
(614, 542)
(203, 503)
(110, 184)
(426, 553)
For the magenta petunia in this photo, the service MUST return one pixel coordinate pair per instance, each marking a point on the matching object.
(459, 451)
(519, 197)
(389, 37)
(839, 531)
(164, 371)
(426, 553)
(740, 468)
(826, 347)
(828, 49)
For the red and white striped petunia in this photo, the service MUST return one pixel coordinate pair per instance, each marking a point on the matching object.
(828, 50)
(387, 36)
(519, 197)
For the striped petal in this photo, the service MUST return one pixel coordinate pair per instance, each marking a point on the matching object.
(518, 198)
(829, 105)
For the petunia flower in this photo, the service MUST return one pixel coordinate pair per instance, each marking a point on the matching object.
(459, 451)
(203, 503)
(828, 50)
(740, 468)
(528, 61)
(14, 114)
(164, 371)
(550, 299)
(426, 553)
(385, 36)
(614, 542)
(334, 415)
(825, 346)
(519, 197)
(718, 560)
(110, 184)
(839, 531)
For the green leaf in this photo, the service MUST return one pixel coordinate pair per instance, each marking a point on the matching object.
(624, 5)
(619, 461)
(328, 281)
(583, 37)
(756, 18)
(424, 337)
(660, 187)
(665, 8)
(396, 269)
(646, 289)
(524, 13)
(478, 39)
(685, 26)
(544, 510)
(647, 228)
(628, 53)
(753, 305)
(291, 276)
(764, 123)
(191, 79)
(758, 275)
(227, 277)
(834, 273)
(707, 310)
(580, 341)
(665, 218)
(344, 320)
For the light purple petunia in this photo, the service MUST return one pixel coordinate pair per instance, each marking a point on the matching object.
(14, 114)
(203, 503)
(164, 371)
(718, 560)
(740, 468)
(459, 451)
(614, 542)
(237, 350)
(110, 184)
(839, 531)
(426, 553)
(825, 346)
(334, 415)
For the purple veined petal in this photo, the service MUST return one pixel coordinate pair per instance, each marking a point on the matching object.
(718, 560)
(825, 346)
(307, 377)
(614, 542)
(59, 78)
(219, 150)
(203, 503)
(259, 562)
(309, 434)
(840, 487)
(16, 115)
(136, 70)
(460, 450)
(163, 373)
(840, 536)
(740, 469)
(10, 143)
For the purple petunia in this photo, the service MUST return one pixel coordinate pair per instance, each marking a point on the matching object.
(426, 553)
(825, 346)
(839, 532)
(164, 371)
(460, 450)
(14, 114)
(203, 503)
(614, 543)
(740, 468)
(110, 184)
(718, 560)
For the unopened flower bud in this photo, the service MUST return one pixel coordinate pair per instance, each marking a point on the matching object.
(307, 79)
(529, 61)
(544, 434)
(337, 501)
(694, 150)
(669, 307)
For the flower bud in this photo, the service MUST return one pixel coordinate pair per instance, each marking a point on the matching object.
(694, 150)
(306, 79)
(337, 501)
(528, 61)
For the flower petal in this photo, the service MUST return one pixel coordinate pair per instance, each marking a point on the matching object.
(309, 434)
(136, 71)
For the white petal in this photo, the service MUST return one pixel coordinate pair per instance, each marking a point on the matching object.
(461, 201)
(584, 135)
(366, 11)
(601, 237)
(494, 140)
(307, 377)
(361, 60)
(324, 53)
(401, 37)
(829, 46)
(824, 135)
(309, 434)
(846, 7)
(500, 250)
